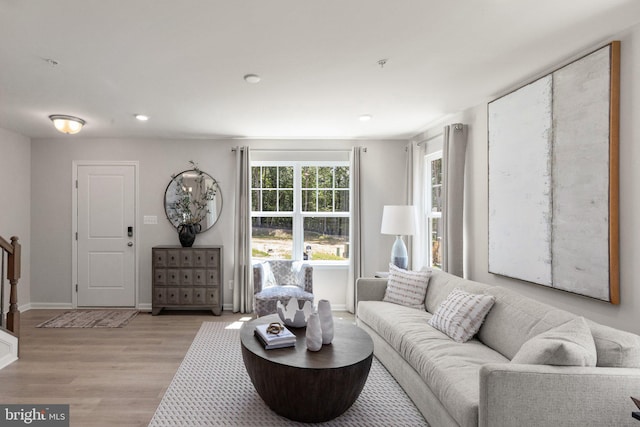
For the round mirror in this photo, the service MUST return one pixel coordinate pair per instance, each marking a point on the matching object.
(193, 197)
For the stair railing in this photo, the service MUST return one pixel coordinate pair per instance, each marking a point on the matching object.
(13, 250)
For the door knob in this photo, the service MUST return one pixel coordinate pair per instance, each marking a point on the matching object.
(130, 244)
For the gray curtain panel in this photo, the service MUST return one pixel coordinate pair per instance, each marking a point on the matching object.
(453, 160)
(242, 272)
(355, 229)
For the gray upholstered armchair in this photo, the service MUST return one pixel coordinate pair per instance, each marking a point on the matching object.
(280, 280)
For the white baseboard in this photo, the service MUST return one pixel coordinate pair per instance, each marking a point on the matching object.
(49, 305)
(144, 307)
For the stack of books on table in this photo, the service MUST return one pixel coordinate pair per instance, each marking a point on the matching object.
(284, 338)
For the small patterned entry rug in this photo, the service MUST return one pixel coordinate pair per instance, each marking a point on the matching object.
(212, 388)
(90, 319)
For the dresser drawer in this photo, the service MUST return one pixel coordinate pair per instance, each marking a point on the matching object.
(199, 296)
(159, 296)
(199, 277)
(173, 277)
(160, 276)
(186, 258)
(212, 277)
(186, 277)
(213, 258)
(173, 296)
(173, 258)
(213, 296)
(159, 258)
(186, 296)
(199, 258)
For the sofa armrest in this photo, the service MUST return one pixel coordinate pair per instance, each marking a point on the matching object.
(514, 394)
(258, 277)
(370, 289)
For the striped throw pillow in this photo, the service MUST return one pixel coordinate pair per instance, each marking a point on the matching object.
(406, 287)
(461, 314)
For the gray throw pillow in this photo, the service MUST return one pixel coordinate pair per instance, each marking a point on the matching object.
(407, 287)
(461, 314)
(570, 344)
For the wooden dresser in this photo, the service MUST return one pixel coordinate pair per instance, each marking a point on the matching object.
(187, 278)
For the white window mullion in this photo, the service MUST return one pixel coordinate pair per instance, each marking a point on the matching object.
(298, 226)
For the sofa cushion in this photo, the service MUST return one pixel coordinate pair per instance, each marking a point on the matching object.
(570, 344)
(514, 319)
(461, 314)
(406, 287)
(441, 284)
(450, 369)
(616, 348)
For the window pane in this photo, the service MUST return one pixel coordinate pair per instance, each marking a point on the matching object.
(272, 238)
(308, 177)
(326, 239)
(436, 171)
(270, 177)
(255, 200)
(342, 200)
(325, 200)
(436, 240)
(342, 177)
(436, 198)
(286, 177)
(269, 200)
(255, 177)
(308, 200)
(325, 177)
(285, 200)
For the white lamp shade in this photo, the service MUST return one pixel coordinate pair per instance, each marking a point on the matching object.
(399, 220)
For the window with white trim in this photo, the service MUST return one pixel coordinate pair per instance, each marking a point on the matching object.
(433, 207)
(300, 210)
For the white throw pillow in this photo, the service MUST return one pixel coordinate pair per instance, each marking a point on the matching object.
(407, 287)
(570, 344)
(461, 314)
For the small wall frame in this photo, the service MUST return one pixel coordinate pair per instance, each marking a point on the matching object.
(554, 178)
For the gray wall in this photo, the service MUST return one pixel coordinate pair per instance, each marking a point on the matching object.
(51, 202)
(15, 209)
(624, 316)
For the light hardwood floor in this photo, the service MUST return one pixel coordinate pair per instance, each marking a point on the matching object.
(110, 377)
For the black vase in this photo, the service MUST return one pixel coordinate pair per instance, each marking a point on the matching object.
(187, 234)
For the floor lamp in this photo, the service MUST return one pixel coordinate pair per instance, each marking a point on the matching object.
(399, 220)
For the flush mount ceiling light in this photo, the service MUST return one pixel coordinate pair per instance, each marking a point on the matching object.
(252, 78)
(67, 124)
(365, 117)
(142, 117)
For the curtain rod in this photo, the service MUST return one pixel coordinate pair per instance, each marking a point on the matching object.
(310, 150)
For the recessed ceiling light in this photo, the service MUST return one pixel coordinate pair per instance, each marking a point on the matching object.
(142, 117)
(252, 78)
(365, 117)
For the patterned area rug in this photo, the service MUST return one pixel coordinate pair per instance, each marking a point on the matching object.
(212, 388)
(90, 319)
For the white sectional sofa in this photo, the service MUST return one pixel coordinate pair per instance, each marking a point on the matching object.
(475, 384)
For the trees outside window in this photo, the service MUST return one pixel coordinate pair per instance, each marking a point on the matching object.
(433, 207)
(300, 211)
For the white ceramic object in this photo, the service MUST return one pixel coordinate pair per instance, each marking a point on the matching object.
(292, 315)
(326, 321)
(314, 333)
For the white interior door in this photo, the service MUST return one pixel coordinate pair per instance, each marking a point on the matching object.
(106, 238)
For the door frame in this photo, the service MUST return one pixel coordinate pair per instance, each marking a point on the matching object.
(74, 222)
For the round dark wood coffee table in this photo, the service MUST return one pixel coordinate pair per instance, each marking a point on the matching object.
(304, 385)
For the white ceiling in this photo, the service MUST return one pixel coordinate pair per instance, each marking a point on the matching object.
(182, 62)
